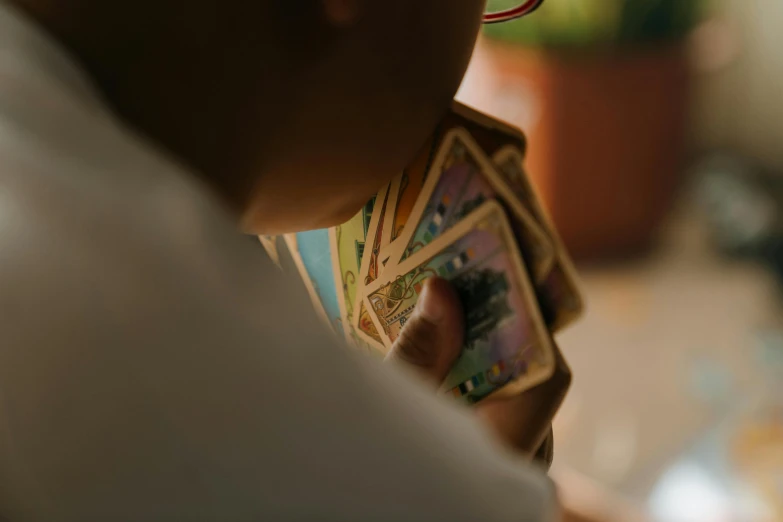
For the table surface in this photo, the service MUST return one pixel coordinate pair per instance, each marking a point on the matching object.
(669, 348)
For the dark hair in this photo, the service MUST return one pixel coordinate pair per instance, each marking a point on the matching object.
(297, 18)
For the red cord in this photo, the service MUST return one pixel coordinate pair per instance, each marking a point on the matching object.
(510, 14)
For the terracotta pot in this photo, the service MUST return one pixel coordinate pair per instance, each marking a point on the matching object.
(606, 135)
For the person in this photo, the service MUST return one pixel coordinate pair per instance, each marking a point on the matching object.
(153, 366)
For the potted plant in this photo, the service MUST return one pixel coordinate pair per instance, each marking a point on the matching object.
(601, 89)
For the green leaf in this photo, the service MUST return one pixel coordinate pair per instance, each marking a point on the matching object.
(598, 23)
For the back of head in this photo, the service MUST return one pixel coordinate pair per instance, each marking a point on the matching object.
(294, 112)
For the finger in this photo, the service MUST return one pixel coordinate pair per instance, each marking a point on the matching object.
(432, 338)
(524, 421)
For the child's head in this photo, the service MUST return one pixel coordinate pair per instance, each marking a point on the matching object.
(297, 111)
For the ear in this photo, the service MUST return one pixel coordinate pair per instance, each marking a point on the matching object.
(342, 13)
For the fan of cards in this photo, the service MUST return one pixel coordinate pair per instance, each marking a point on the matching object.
(465, 211)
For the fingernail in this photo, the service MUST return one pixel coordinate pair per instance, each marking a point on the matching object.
(428, 306)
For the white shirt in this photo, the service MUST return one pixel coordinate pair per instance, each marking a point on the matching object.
(153, 366)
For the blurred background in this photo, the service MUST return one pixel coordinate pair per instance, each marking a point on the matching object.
(655, 138)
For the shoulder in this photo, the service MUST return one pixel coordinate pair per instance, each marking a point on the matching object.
(91, 209)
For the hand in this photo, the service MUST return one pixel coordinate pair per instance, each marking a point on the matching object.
(432, 338)
(432, 341)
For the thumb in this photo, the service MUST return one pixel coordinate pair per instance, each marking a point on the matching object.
(432, 338)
